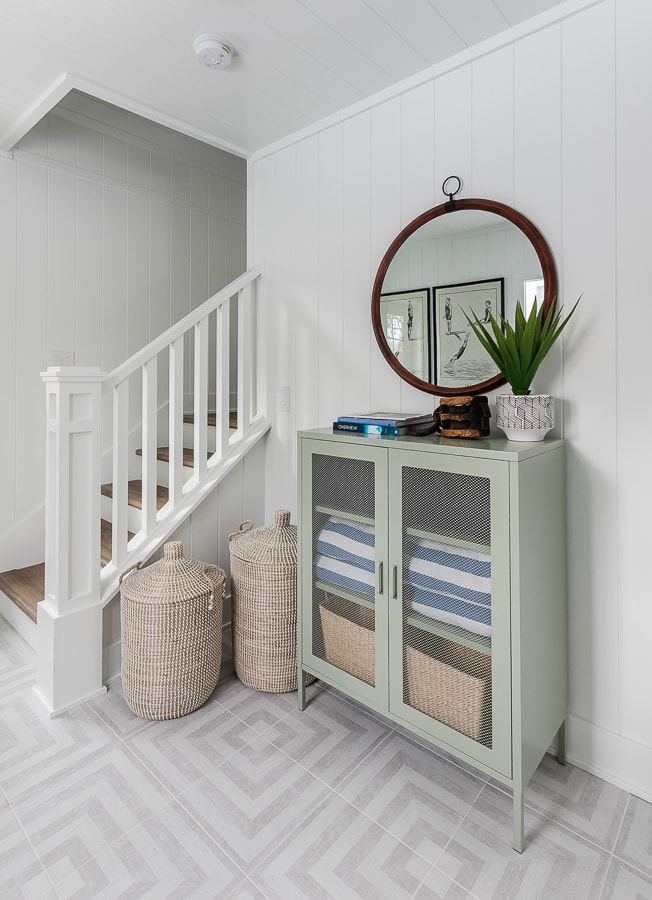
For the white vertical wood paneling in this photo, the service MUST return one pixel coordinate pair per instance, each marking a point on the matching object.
(306, 311)
(115, 157)
(633, 328)
(417, 154)
(8, 221)
(138, 243)
(114, 278)
(356, 263)
(175, 429)
(330, 389)
(30, 335)
(385, 224)
(453, 108)
(89, 149)
(588, 215)
(61, 260)
(88, 260)
(198, 257)
(159, 268)
(492, 129)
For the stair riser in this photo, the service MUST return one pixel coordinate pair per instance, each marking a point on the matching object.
(163, 473)
(134, 515)
(189, 436)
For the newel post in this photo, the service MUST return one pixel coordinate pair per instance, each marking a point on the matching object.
(69, 619)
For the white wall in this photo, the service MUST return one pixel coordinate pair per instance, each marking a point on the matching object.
(111, 229)
(555, 120)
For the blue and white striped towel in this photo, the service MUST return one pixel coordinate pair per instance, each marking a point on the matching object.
(344, 574)
(442, 568)
(473, 617)
(351, 542)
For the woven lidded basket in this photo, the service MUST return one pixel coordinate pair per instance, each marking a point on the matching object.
(264, 604)
(171, 616)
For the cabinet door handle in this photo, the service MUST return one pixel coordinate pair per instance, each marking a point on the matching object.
(394, 582)
(380, 577)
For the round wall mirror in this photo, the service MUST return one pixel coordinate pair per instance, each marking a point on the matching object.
(464, 256)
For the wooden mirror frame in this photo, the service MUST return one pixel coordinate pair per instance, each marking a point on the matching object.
(549, 274)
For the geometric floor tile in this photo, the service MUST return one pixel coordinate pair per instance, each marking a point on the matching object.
(245, 891)
(21, 873)
(329, 738)
(179, 751)
(258, 709)
(555, 864)
(339, 853)
(112, 708)
(625, 883)
(437, 886)
(252, 801)
(635, 839)
(417, 796)
(73, 817)
(166, 855)
(578, 800)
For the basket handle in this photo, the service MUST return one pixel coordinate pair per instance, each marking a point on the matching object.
(213, 573)
(130, 570)
(242, 530)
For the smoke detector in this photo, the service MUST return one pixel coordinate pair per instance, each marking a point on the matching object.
(212, 51)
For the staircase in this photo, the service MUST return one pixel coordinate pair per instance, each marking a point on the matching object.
(160, 467)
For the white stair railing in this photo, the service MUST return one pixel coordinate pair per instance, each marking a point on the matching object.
(77, 586)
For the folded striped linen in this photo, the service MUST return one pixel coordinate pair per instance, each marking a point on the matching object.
(336, 571)
(472, 616)
(451, 581)
(351, 542)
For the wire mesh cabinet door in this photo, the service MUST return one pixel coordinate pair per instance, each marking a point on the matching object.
(449, 603)
(343, 537)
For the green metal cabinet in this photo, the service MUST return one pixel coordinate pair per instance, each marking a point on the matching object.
(432, 588)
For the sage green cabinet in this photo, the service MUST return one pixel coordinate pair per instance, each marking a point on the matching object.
(431, 587)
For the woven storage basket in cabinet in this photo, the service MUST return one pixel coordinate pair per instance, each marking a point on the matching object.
(171, 616)
(349, 637)
(264, 604)
(452, 684)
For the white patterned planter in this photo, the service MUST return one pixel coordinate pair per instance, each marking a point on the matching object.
(525, 418)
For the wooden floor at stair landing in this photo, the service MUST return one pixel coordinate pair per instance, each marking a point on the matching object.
(25, 587)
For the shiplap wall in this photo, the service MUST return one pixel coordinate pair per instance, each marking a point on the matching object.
(111, 229)
(555, 120)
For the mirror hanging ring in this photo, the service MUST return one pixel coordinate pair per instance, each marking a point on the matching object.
(411, 298)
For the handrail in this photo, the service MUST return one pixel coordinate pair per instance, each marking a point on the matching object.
(131, 365)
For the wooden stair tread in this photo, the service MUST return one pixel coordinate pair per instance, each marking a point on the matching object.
(135, 493)
(25, 587)
(163, 454)
(189, 419)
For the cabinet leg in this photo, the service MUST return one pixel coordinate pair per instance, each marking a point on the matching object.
(561, 744)
(519, 836)
(301, 682)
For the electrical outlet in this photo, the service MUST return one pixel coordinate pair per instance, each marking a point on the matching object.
(284, 398)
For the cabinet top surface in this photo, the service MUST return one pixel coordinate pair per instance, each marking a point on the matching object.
(496, 447)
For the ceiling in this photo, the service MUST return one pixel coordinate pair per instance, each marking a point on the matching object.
(296, 61)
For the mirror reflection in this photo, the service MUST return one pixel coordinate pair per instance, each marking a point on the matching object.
(470, 260)
(472, 255)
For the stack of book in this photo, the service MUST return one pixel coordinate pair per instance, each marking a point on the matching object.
(380, 423)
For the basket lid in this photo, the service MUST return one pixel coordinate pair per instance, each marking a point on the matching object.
(174, 578)
(268, 545)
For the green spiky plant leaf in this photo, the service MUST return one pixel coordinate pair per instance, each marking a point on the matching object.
(518, 350)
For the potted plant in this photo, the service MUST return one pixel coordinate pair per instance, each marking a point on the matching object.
(518, 351)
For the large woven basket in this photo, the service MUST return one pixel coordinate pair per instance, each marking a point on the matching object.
(264, 604)
(452, 684)
(349, 637)
(171, 616)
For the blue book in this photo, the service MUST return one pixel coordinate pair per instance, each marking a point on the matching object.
(366, 428)
(386, 418)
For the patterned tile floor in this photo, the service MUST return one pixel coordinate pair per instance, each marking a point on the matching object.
(249, 798)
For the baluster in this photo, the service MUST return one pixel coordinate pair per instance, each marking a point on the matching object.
(222, 379)
(245, 346)
(149, 474)
(201, 398)
(176, 422)
(119, 509)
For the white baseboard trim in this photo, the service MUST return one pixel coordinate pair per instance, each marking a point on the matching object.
(613, 757)
(18, 620)
(59, 710)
